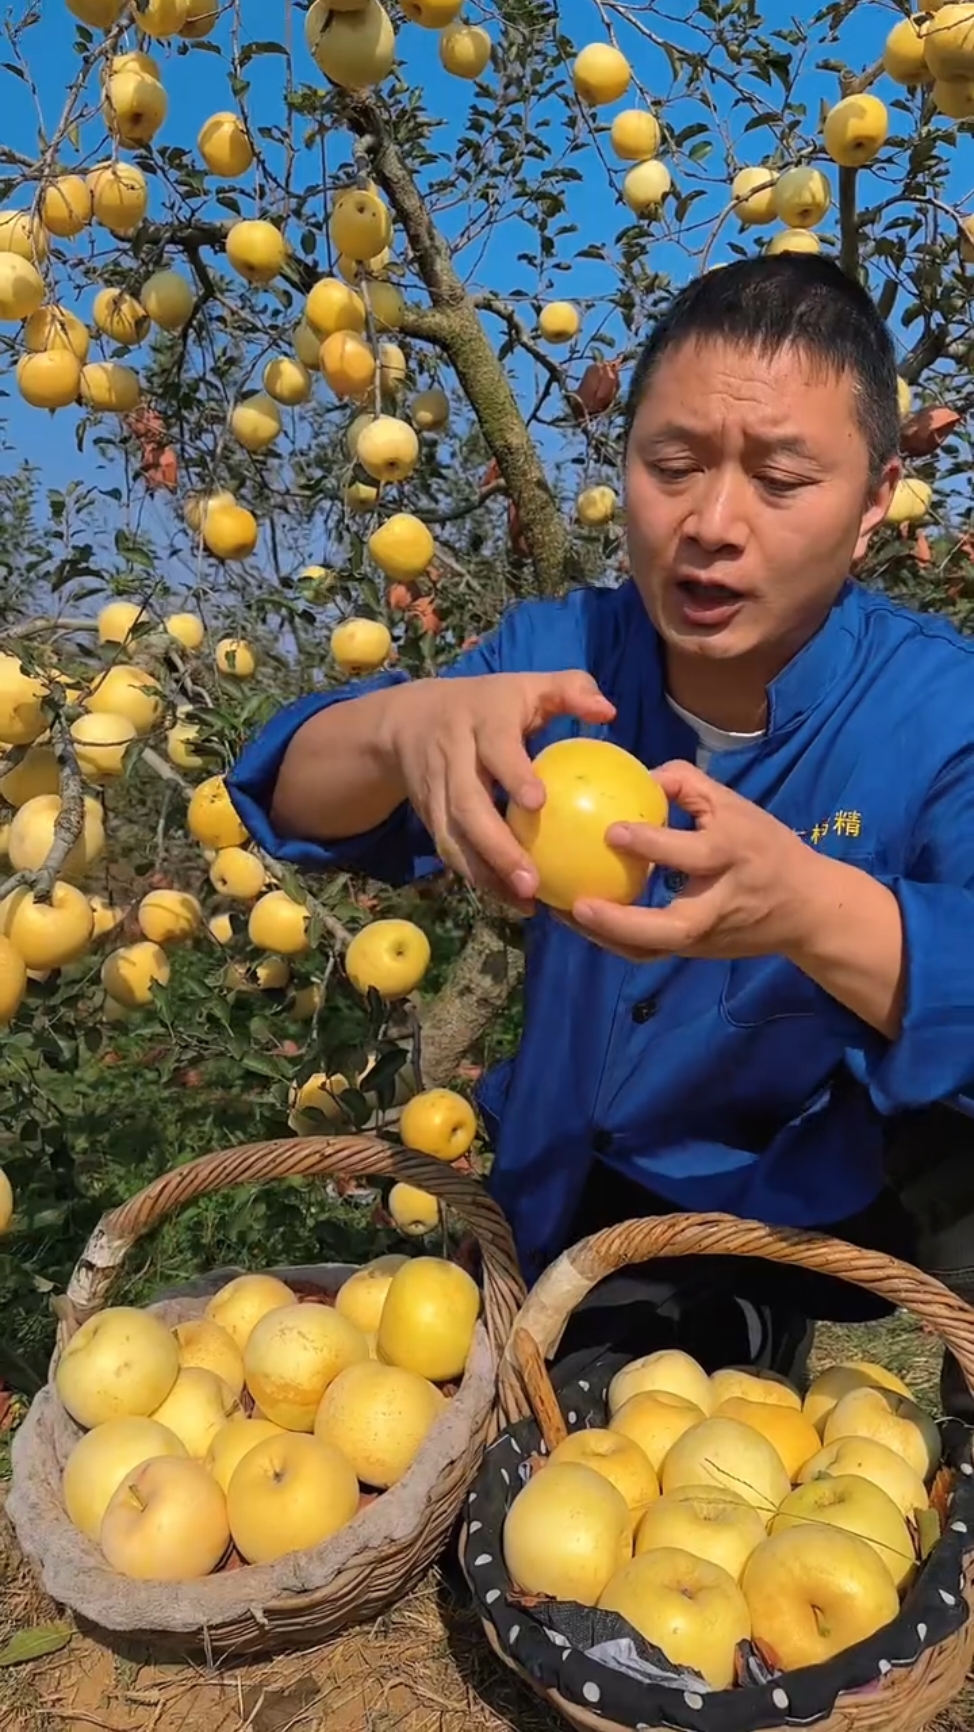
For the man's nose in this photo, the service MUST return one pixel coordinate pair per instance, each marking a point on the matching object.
(718, 515)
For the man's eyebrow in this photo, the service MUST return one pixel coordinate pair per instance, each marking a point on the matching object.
(791, 443)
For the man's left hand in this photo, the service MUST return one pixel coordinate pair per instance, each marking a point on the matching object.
(746, 878)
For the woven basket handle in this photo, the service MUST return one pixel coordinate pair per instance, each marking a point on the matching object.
(560, 1289)
(297, 1157)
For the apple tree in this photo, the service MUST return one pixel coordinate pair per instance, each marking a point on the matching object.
(329, 309)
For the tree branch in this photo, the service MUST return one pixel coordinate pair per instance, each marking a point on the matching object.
(461, 335)
(848, 223)
(68, 825)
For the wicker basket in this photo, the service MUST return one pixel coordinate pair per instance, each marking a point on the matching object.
(361, 1571)
(906, 1698)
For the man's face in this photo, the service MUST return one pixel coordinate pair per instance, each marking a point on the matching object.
(748, 498)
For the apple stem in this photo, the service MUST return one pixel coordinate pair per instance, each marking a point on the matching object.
(137, 1498)
(823, 1627)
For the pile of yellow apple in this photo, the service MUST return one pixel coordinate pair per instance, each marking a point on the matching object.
(715, 1510)
(260, 1428)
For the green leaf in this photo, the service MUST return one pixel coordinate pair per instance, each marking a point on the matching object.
(27, 1645)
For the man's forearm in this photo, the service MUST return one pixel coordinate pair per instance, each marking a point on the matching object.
(851, 941)
(339, 777)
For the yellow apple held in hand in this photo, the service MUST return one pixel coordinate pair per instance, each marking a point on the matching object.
(668, 1371)
(589, 785)
(232, 1442)
(621, 1461)
(743, 1383)
(813, 1592)
(827, 1390)
(415, 1212)
(654, 1420)
(725, 1453)
(101, 1460)
(121, 1364)
(567, 1533)
(209, 1347)
(287, 1494)
(715, 1525)
(428, 1319)
(792, 1435)
(856, 1506)
(600, 74)
(389, 956)
(438, 1122)
(888, 1418)
(291, 1357)
(239, 1306)
(362, 1297)
(167, 1522)
(693, 1610)
(875, 1462)
(378, 1416)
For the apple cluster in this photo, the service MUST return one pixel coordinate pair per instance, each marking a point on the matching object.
(711, 1511)
(264, 1426)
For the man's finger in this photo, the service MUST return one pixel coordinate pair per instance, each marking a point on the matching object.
(474, 817)
(572, 693)
(695, 852)
(508, 763)
(684, 785)
(644, 932)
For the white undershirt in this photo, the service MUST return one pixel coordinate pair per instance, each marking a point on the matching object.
(709, 738)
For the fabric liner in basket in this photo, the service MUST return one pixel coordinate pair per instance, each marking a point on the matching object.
(897, 1681)
(306, 1596)
(598, 1661)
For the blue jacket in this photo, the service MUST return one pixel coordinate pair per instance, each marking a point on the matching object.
(739, 1086)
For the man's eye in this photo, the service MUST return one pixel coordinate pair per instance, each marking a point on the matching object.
(671, 471)
(781, 483)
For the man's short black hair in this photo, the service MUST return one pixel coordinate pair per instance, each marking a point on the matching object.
(771, 302)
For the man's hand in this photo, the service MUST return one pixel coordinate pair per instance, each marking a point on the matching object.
(452, 740)
(746, 879)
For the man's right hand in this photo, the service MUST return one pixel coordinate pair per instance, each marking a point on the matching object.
(452, 741)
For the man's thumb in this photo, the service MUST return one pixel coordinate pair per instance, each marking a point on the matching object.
(575, 693)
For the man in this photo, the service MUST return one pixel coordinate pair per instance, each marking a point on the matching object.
(797, 984)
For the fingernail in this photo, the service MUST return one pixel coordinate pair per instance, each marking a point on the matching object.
(523, 882)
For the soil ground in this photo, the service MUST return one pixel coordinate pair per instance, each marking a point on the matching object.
(422, 1668)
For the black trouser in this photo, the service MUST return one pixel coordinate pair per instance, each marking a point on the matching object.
(734, 1310)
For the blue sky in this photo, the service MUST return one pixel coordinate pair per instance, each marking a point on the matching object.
(197, 86)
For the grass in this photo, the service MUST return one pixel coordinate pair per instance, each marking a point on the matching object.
(424, 1667)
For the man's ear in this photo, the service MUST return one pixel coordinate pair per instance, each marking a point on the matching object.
(877, 505)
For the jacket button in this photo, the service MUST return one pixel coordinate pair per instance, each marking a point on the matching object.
(602, 1142)
(675, 882)
(644, 1010)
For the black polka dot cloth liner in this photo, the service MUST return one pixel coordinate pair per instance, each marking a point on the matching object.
(597, 1661)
